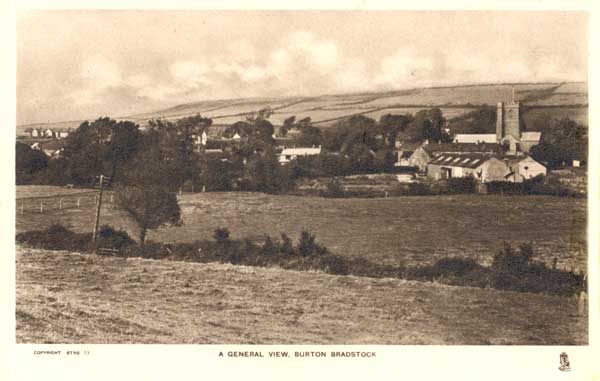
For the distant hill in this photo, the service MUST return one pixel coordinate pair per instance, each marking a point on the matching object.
(557, 99)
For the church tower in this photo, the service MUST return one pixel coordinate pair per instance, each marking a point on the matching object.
(508, 120)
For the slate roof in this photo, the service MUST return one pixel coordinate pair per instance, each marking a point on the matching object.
(434, 148)
(470, 160)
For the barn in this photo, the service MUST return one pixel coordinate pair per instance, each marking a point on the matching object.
(482, 167)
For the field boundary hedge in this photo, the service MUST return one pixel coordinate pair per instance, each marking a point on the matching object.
(511, 269)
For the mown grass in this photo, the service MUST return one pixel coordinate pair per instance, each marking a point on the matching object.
(397, 231)
(75, 298)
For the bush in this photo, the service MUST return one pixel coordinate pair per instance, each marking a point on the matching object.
(460, 185)
(307, 245)
(221, 235)
(511, 269)
(114, 239)
(287, 246)
(57, 237)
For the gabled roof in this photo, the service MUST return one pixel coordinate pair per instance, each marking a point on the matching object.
(475, 138)
(409, 146)
(462, 148)
(531, 136)
(471, 160)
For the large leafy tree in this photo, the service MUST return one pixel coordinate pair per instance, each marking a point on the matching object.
(149, 205)
(102, 146)
(174, 145)
(346, 133)
(392, 125)
(29, 161)
(429, 125)
(565, 141)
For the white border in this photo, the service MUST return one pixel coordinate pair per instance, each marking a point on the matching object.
(162, 362)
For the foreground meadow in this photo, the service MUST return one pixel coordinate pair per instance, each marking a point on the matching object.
(399, 231)
(75, 298)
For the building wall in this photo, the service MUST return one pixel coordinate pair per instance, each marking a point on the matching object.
(419, 159)
(434, 171)
(526, 145)
(529, 168)
(492, 170)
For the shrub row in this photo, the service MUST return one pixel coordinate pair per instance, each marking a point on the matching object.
(511, 269)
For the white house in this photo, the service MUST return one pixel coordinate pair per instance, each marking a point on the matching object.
(289, 154)
(62, 133)
(524, 168)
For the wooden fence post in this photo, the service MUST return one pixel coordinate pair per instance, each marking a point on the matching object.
(78, 202)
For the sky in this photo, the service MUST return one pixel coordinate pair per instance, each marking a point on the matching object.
(74, 65)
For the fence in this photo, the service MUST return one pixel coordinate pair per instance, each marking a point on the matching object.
(82, 200)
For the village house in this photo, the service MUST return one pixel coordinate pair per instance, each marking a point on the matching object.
(405, 152)
(523, 168)
(57, 133)
(289, 154)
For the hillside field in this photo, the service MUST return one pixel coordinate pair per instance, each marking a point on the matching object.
(399, 230)
(558, 100)
(66, 297)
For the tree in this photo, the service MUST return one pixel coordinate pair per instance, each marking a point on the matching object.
(150, 206)
(103, 146)
(358, 129)
(429, 125)
(29, 161)
(176, 144)
(563, 142)
(288, 124)
(479, 121)
(391, 125)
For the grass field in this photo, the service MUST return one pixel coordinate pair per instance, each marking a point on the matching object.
(73, 298)
(401, 230)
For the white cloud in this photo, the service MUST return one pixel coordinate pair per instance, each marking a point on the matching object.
(404, 68)
(191, 73)
(100, 73)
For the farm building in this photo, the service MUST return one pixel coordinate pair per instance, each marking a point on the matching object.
(523, 168)
(427, 152)
(482, 167)
(289, 154)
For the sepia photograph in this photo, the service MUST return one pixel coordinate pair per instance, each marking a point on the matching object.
(302, 177)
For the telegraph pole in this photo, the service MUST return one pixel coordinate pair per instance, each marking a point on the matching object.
(95, 233)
